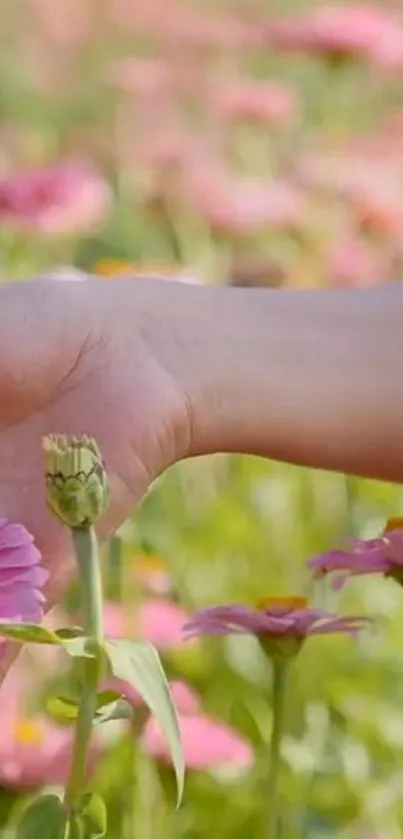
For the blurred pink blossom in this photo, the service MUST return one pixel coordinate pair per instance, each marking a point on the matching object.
(142, 76)
(354, 262)
(367, 179)
(207, 743)
(242, 205)
(60, 199)
(33, 750)
(65, 23)
(270, 103)
(186, 699)
(357, 30)
(158, 621)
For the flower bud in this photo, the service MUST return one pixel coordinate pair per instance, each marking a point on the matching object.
(77, 489)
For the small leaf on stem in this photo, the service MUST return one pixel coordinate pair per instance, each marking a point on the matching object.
(92, 812)
(28, 633)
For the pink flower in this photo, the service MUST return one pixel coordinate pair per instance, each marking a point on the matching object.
(353, 262)
(61, 199)
(359, 31)
(142, 76)
(33, 750)
(278, 619)
(264, 102)
(382, 555)
(21, 575)
(186, 699)
(245, 204)
(158, 621)
(151, 573)
(207, 743)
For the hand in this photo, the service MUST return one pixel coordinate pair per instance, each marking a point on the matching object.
(91, 358)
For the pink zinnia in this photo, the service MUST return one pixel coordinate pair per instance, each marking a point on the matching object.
(263, 102)
(34, 751)
(280, 623)
(338, 30)
(21, 575)
(60, 199)
(186, 699)
(158, 621)
(243, 205)
(207, 743)
(382, 555)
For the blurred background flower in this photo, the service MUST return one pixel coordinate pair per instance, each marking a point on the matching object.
(254, 145)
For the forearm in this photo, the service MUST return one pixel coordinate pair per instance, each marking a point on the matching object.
(308, 377)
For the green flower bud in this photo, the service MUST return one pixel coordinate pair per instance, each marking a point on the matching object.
(77, 489)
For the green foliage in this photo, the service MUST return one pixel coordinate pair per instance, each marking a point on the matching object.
(44, 818)
(90, 820)
(138, 663)
(64, 709)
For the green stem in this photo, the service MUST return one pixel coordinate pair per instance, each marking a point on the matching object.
(86, 547)
(279, 683)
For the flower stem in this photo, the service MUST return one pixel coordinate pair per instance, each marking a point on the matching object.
(87, 554)
(273, 816)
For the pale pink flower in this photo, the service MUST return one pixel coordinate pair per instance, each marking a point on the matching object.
(142, 76)
(339, 30)
(276, 618)
(60, 199)
(151, 572)
(158, 621)
(207, 743)
(270, 103)
(186, 699)
(65, 23)
(354, 262)
(242, 205)
(34, 751)
(382, 555)
(21, 576)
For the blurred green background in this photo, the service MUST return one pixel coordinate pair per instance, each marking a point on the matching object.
(203, 142)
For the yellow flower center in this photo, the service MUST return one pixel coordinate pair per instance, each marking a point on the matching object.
(394, 523)
(287, 603)
(121, 267)
(148, 563)
(28, 732)
(113, 267)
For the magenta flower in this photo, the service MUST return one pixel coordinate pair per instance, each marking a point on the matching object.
(66, 198)
(280, 623)
(21, 575)
(383, 555)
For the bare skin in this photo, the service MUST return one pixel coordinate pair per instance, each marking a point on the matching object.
(159, 371)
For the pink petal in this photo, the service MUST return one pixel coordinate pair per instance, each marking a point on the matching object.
(206, 743)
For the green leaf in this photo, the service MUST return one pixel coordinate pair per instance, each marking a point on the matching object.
(44, 818)
(77, 647)
(119, 710)
(28, 633)
(76, 828)
(64, 709)
(138, 663)
(67, 632)
(107, 697)
(92, 813)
